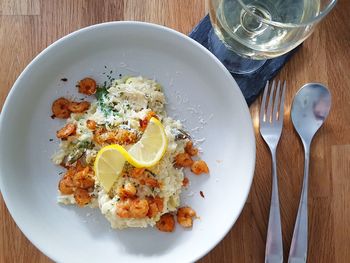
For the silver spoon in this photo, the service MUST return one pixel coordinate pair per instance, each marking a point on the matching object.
(310, 108)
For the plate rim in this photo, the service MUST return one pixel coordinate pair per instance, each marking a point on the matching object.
(245, 109)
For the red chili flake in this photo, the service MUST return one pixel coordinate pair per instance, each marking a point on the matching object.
(201, 193)
(185, 182)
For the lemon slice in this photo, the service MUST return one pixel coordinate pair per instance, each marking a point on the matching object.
(146, 152)
(150, 148)
(109, 164)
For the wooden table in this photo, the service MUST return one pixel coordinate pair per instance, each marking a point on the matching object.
(28, 26)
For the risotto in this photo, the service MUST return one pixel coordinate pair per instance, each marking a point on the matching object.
(119, 114)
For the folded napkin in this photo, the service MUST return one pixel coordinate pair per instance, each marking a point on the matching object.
(250, 84)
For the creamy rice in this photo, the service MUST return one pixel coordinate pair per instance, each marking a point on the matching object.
(122, 105)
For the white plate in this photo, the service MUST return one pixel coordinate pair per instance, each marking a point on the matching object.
(200, 91)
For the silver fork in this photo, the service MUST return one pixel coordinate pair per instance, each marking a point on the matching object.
(271, 122)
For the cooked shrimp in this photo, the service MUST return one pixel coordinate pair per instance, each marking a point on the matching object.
(166, 223)
(137, 208)
(185, 215)
(66, 185)
(78, 107)
(83, 179)
(87, 86)
(123, 209)
(144, 177)
(199, 167)
(159, 201)
(156, 205)
(183, 160)
(128, 190)
(145, 121)
(102, 136)
(190, 149)
(98, 135)
(79, 166)
(122, 137)
(137, 172)
(60, 108)
(91, 124)
(82, 197)
(70, 172)
(66, 131)
(149, 181)
(153, 210)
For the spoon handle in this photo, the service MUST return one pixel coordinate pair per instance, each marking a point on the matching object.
(298, 248)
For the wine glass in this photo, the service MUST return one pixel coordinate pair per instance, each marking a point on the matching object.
(248, 32)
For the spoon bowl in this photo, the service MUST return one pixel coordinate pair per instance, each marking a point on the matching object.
(310, 108)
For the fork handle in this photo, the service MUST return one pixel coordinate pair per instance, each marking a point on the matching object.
(274, 246)
(298, 248)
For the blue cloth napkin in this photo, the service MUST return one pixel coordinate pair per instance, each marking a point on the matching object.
(250, 84)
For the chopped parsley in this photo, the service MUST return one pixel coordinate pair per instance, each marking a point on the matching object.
(106, 108)
(101, 92)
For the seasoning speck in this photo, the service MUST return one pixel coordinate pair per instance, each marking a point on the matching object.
(201, 193)
(64, 79)
(185, 182)
(52, 116)
(51, 140)
(120, 75)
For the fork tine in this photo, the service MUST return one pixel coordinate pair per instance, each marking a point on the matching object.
(276, 102)
(263, 102)
(281, 111)
(269, 107)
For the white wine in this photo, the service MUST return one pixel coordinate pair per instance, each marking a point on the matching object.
(263, 29)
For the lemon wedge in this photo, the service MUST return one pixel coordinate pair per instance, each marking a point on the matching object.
(151, 147)
(146, 152)
(109, 164)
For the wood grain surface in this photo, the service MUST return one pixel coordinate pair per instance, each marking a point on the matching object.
(28, 26)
